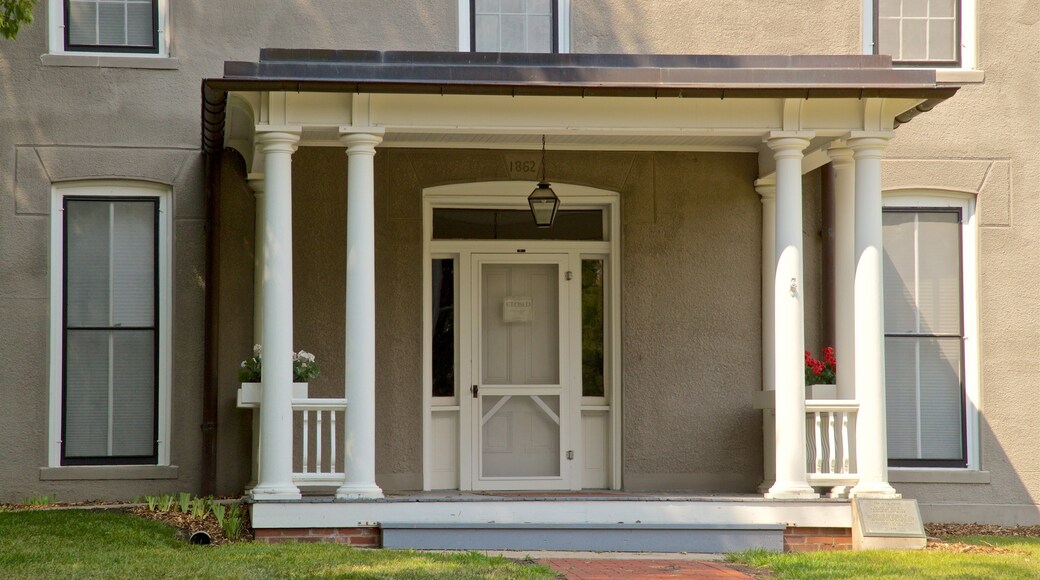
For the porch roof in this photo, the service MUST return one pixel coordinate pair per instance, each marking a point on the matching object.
(580, 75)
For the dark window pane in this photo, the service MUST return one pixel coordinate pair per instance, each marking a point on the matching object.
(491, 224)
(592, 339)
(443, 301)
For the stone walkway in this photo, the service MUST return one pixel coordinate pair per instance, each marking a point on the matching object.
(600, 568)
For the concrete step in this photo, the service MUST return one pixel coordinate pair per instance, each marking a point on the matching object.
(690, 538)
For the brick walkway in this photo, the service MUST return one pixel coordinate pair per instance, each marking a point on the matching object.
(581, 569)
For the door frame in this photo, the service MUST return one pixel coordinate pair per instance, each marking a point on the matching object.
(513, 195)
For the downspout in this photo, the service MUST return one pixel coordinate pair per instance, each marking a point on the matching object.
(827, 217)
(211, 340)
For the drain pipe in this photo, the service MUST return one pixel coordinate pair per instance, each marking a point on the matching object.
(208, 471)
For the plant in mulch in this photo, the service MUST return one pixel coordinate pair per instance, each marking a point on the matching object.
(223, 521)
(40, 500)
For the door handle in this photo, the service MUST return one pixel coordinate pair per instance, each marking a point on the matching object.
(475, 389)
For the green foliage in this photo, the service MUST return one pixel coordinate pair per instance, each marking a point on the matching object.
(218, 512)
(166, 503)
(40, 500)
(13, 15)
(108, 544)
(184, 502)
(152, 501)
(232, 524)
(900, 564)
(199, 508)
(305, 369)
(592, 339)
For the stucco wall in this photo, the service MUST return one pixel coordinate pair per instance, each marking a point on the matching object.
(67, 123)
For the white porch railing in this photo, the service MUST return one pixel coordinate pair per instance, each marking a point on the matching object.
(318, 426)
(830, 443)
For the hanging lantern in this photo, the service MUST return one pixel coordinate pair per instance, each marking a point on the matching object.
(543, 199)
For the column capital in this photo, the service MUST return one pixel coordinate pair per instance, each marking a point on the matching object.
(766, 187)
(361, 140)
(277, 139)
(256, 183)
(868, 143)
(788, 144)
(840, 153)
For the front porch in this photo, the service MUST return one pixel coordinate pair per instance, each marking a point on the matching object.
(595, 520)
(712, 151)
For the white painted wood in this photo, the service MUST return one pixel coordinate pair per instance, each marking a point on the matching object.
(360, 441)
(844, 265)
(595, 473)
(871, 436)
(275, 471)
(444, 440)
(966, 202)
(607, 511)
(56, 32)
(256, 183)
(513, 195)
(114, 189)
(517, 444)
(789, 313)
(312, 414)
(249, 394)
(766, 188)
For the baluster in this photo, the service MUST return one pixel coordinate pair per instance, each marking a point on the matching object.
(317, 444)
(833, 455)
(332, 441)
(819, 443)
(845, 442)
(306, 429)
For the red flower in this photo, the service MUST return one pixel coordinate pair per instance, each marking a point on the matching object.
(828, 356)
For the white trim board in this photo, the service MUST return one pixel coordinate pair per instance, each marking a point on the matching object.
(114, 189)
(506, 195)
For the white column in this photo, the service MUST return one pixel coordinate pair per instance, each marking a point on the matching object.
(360, 428)
(275, 472)
(789, 316)
(767, 189)
(256, 183)
(871, 435)
(844, 266)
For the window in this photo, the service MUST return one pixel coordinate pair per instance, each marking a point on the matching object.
(929, 335)
(919, 31)
(108, 371)
(514, 25)
(122, 27)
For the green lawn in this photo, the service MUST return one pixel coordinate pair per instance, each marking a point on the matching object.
(88, 544)
(905, 565)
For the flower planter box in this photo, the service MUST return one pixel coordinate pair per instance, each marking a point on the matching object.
(821, 392)
(249, 394)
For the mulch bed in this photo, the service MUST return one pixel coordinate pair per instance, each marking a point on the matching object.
(186, 525)
(937, 532)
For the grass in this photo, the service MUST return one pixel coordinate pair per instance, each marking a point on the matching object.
(97, 544)
(903, 565)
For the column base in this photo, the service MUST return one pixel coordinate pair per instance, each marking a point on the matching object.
(875, 489)
(359, 491)
(766, 484)
(275, 492)
(791, 491)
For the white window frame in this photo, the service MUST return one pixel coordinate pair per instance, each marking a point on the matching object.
(56, 33)
(112, 189)
(966, 203)
(968, 36)
(563, 26)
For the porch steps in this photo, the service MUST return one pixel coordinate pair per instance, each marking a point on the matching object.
(692, 538)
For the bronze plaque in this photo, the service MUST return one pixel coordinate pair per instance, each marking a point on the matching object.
(888, 518)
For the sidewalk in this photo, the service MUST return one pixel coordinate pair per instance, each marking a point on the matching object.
(642, 568)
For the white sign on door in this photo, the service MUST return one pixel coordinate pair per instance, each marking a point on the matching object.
(516, 309)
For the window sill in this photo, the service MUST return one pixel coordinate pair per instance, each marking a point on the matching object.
(110, 61)
(959, 75)
(936, 475)
(99, 472)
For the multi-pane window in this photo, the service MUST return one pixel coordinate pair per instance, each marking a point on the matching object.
(110, 338)
(918, 31)
(514, 25)
(924, 337)
(112, 26)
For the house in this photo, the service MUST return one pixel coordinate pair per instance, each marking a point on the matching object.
(180, 184)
